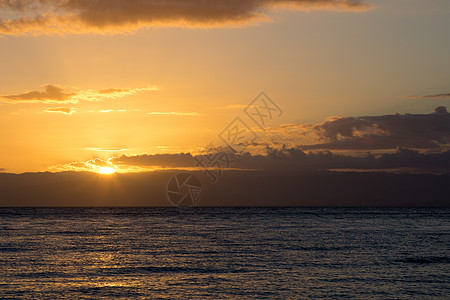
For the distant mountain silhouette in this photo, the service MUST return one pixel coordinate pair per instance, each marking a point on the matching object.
(235, 188)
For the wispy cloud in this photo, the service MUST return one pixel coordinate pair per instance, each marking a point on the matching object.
(51, 93)
(62, 110)
(106, 16)
(430, 96)
(232, 106)
(111, 149)
(175, 113)
(58, 94)
(112, 110)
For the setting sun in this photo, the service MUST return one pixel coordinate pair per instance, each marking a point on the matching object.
(107, 170)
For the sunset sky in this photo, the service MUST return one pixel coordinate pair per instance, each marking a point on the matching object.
(85, 79)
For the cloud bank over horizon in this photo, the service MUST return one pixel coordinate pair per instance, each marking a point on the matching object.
(399, 143)
(19, 17)
(402, 160)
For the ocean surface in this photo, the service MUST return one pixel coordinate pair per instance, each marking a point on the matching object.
(224, 253)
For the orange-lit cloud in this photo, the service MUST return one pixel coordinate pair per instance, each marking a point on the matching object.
(58, 94)
(62, 110)
(107, 16)
(93, 165)
(96, 165)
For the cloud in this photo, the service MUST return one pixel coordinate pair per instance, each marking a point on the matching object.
(58, 94)
(420, 131)
(93, 165)
(401, 159)
(63, 110)
(178, 160)
(112, 110)
(233, 106)
(51, 93)
(430, 96)
(409, 142)
(174, 113)
(112, 149)
(417, 131)
(284, 159)
(127, 164)
(106, 16)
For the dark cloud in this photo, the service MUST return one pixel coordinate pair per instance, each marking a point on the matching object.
(387, 132)
(179, 160)
(80, 16)
(402, 158)
(420, 131)
(295, 159)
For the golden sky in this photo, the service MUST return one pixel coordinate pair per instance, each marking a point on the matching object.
(87, 79)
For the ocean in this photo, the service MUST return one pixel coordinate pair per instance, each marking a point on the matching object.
(224, 253)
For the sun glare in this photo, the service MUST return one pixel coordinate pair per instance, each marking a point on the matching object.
(107, 170)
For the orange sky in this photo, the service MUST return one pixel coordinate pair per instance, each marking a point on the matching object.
(81, 81)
